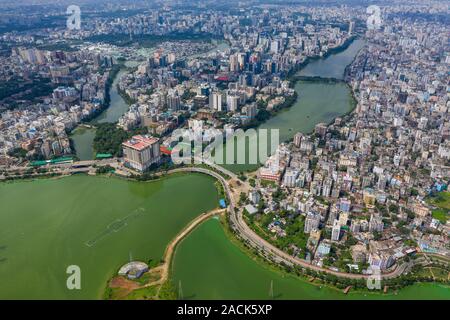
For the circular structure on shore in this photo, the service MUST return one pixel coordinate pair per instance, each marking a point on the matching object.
(133, 270)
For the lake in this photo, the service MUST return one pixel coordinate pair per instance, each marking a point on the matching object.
(95, 223)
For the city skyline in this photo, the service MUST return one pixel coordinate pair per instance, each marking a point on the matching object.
(323, 125)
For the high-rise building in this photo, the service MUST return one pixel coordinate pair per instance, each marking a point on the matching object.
(345, 205)
(232, 102)
(321, 129)
(234, 64)
(251, 111)
(215, 101)
(275, 46)
(174, 101)
(351, 25)
(336, 231)
(312, 222)
(326, 188)
(140, 152)
(376, 224)
(298, 139)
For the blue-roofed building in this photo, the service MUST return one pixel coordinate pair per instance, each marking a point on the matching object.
(222, 203)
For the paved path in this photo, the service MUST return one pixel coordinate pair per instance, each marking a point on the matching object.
(254, 240)
(170, 249)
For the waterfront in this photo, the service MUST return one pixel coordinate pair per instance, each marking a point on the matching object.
(83, 138)
(317, 101)
(227, 272)
(210, 266)
(334, 65)
(93, 222)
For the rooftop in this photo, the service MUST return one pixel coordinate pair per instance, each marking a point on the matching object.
(140, 142)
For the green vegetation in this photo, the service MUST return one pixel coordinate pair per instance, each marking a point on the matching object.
(129, 100)
(147, 293)
(109, 138)
(293, 228)
(25, 90)
(441, 215)
(104, 169)
(18, 153)
(442, 203)
(168, 291)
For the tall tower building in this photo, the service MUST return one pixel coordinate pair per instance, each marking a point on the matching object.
(336, 231)
(216, 101)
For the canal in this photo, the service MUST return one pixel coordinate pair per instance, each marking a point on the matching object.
(82, 137)
(317, 101)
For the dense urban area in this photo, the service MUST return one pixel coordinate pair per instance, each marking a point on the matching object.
(361, 196)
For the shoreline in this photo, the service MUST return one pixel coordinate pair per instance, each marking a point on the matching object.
(294, 79)
(265, 263)
(235, 240)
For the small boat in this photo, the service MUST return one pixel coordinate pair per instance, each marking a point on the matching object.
(346, 290)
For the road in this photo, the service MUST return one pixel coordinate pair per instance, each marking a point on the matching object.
(238, 224)
(248, 235)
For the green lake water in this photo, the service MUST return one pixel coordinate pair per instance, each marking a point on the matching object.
(334, 65)
(83, 138)
(209, 266)
(95, 223)
(317, 101)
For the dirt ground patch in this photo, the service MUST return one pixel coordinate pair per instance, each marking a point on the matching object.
(121, 282)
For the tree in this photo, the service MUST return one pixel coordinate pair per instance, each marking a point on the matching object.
(376, 235)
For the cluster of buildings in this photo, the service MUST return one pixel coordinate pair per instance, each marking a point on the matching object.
(233, 85)
(236, 84)
(360, 184)
(78, 90)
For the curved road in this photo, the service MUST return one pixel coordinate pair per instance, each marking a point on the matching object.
(239, 225)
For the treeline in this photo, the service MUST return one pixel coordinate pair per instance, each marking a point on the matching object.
(263, 114)
(108, 138)
(38, 87)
